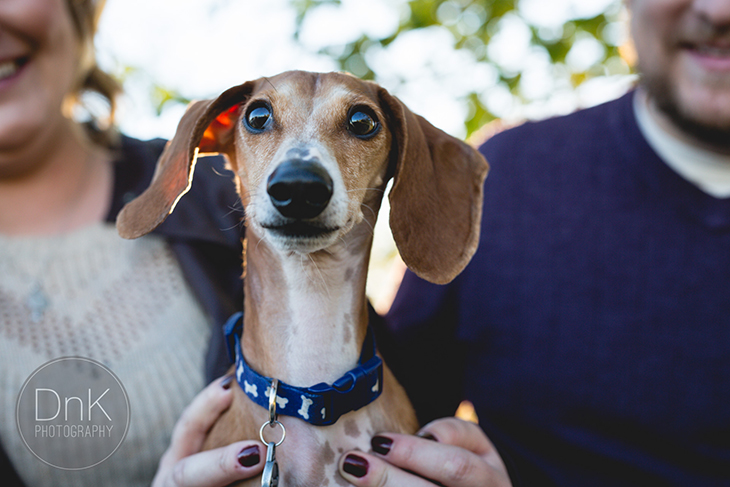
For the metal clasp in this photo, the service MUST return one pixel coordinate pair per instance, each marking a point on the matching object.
(272, 415)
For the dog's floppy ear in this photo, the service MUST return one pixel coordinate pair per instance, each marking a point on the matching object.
(436, 200)
(205, 127)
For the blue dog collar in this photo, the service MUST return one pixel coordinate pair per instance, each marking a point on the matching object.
(321, 404)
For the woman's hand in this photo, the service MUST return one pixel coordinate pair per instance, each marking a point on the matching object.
(447, 452)
(184, 465)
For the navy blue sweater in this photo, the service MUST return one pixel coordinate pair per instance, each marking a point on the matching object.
(592, 328)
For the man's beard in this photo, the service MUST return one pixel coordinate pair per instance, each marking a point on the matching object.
(714, 135)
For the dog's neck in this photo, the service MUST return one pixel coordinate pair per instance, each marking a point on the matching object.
(306, 314)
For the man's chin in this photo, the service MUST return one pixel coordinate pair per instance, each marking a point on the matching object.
(704, 118)
(711, 133)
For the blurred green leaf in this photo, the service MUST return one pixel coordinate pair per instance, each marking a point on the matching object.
(161, 96)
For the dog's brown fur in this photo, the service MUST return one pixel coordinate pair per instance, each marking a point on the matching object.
(306, 310)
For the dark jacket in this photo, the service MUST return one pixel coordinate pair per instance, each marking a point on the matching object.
(204, 232)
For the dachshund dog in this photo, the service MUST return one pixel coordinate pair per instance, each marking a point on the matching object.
(312, 154)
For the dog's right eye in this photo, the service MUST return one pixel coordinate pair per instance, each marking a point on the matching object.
(258, 117)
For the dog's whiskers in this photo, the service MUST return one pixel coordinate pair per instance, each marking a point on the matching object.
(365, 189)
(237, 225)
(323, 281)
(272, 84)
(261, 239)
(344, 242)
(375, 214)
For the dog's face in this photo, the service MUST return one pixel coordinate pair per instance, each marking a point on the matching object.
(311, 152)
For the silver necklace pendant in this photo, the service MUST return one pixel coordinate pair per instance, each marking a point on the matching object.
(37, 302)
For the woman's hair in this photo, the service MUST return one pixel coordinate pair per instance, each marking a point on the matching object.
(90, 78)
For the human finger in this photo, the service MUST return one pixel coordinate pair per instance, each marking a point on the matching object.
(367, 470)
(213, 468)
(463, 434)
(461, 456)
(197, 419)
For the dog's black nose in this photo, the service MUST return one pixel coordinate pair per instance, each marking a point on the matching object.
(299, 189)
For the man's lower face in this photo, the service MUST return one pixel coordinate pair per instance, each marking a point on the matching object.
(684, 57)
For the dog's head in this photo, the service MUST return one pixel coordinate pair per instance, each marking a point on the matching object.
(312, 153)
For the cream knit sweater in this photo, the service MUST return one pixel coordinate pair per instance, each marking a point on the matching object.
(122, 303)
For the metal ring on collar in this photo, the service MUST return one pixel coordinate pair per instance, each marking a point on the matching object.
(272, 424)
(272, 400)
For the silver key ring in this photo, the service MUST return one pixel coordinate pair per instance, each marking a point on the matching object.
(272, 424)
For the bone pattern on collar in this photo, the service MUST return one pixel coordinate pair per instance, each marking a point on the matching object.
(321, 404)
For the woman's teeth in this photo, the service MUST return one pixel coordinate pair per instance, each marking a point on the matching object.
(8, 69)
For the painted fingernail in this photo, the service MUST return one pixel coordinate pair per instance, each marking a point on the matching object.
(381, 444)
(355, 466)
(249, 456)
(427, 436)
(227, 381)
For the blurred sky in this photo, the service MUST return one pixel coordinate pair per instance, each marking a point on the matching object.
(201, 47)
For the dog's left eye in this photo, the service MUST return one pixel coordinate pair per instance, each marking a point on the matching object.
(362, 123)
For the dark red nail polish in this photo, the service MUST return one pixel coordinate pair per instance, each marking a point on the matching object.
(226, 382)
(381, 444)
(249, 456)
(355, 466)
